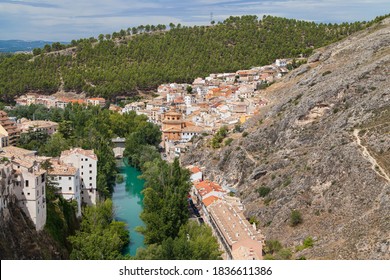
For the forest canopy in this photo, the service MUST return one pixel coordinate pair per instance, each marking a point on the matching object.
(145, 56)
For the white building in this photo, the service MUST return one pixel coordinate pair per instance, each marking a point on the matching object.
(281, 62)
(27, 183)
(47, 126)
(196, 173)
(189, 100)
(96, 101)
(190, 131)
(67, 180)
(170, 97)
(86, 161)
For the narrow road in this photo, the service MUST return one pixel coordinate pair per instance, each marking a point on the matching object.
(375, 166)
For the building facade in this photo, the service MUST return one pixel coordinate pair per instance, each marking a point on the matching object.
(86, 162)
(67, 181)
(23, 177)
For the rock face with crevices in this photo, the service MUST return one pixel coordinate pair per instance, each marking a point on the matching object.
(20, 241)
(302, 146)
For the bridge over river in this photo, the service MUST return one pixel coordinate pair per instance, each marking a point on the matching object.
(119, 146)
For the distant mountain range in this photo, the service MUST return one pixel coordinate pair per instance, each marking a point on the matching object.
(11, 46)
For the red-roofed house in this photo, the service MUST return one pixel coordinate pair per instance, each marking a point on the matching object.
(196, 173)
(210, 200)
(203, 190)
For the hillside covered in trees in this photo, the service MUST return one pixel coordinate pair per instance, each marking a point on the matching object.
(146, 56)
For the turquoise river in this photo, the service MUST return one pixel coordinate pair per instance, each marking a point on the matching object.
(127, 199)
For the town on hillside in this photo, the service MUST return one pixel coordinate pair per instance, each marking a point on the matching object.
(182, 111)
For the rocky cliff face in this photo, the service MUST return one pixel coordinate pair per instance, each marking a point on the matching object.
(322, 147)
(20, 241)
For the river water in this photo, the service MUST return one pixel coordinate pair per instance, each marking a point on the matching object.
(127, 199)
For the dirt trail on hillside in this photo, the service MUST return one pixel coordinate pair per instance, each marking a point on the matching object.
(375, 166)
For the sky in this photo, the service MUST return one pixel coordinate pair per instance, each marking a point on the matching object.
(55, 20)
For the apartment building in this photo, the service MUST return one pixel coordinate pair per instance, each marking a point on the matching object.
(67, 181)
(27, 181)
(86, 162)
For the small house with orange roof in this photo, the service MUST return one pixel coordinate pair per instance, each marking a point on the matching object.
(196, 173)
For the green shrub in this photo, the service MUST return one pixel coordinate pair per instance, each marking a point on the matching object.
(272, 246)
(307, 243)
(228, 141)
(295, 218)
(284, 254)
(263, 191)
(253, 219)
(244, 134)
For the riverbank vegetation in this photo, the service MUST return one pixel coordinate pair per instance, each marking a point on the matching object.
(168, 233)
(100, 237)
(143, 58)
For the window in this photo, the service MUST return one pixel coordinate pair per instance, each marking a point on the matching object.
(70, 188)
(82, 166)
(90, 165)
(28, 193)
(82, 159)
(82, 192)
(59, 177)
(22, 193)
(86, 159)
(90, 178)
(26, 183)
(82, 173)
(90, 184)
(70, 178)
(90, 171)
(91, 190)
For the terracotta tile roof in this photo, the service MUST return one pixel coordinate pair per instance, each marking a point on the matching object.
(61, 169)
(195, 170)
(88, 153)
(206, 187)
(244, 240)
(77, 101)
(210, 200)
(193, 128)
